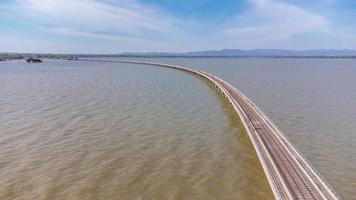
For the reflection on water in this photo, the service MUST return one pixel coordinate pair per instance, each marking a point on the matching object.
(72, 130)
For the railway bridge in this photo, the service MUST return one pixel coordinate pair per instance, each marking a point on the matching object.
(289, 173)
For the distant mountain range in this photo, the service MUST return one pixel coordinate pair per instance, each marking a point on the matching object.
(211, 53)
(254, 53)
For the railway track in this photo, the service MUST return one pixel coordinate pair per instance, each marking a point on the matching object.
(290, 174)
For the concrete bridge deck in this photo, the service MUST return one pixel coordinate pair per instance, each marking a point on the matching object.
(290, 175)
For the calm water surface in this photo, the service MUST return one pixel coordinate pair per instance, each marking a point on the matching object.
(312, 100)
(81, 130)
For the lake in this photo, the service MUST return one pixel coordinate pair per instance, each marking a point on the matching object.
(85, 130)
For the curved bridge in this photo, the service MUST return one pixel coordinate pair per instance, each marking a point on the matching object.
(290, 175)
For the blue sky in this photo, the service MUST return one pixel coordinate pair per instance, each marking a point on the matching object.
(114, 26)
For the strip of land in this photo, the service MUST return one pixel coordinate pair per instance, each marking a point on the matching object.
(290, 174)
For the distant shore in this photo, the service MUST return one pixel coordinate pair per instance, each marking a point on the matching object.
(141, 56)
(10, 57)
(14, 56)
(35, 57)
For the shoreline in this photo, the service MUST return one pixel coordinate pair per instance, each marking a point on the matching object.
(7, 57)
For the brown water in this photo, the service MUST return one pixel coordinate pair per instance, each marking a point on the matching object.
(312, 100)
(81, 130)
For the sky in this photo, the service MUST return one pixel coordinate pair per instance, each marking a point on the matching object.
(115, 26)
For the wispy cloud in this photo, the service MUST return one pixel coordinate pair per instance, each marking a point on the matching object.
(126, 18)
(130, 25)
(126, 23)
(272, 23)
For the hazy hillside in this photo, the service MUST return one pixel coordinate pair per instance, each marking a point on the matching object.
(253, 52)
